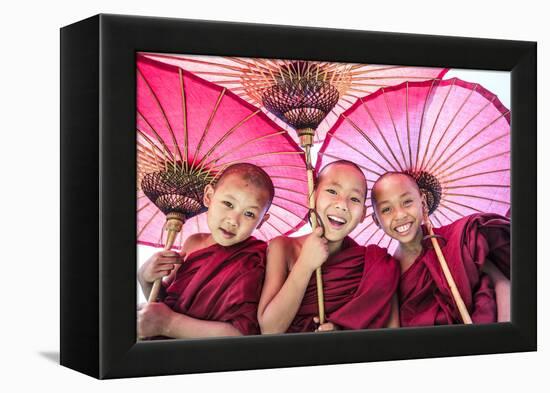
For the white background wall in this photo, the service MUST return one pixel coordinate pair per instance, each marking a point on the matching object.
(29, 87)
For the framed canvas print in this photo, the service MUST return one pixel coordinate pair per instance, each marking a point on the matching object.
(240, 196)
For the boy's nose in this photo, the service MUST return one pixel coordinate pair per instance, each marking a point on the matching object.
(341, 204)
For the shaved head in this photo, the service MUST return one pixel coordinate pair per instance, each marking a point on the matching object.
(250, 173)
(344, 162)
(404, 175)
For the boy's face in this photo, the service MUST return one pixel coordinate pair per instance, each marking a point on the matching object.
(398, 207)
(235, 208)
(340, 200)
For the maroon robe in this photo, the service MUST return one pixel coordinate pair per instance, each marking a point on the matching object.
(424, 295)
(221, 284)
(358, 284)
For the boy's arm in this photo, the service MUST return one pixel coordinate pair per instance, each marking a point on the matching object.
(152, 269)
(393, 322)
(281, 295)
(156, 319)
(502, 290)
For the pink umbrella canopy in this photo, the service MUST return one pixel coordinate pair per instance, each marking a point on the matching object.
(264, 82)
(452, 136)
(188, 131)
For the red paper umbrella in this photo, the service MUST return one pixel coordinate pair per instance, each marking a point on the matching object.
(321, 91)
(452, 136)
(188, 131)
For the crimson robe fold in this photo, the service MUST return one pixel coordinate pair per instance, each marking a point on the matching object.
(424, 295)
(358, 285)
(221, 284)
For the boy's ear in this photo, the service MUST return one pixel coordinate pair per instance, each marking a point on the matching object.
(425, 209)
(264, 219)
(208, 193)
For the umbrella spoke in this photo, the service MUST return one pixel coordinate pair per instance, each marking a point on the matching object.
(479, 197)
(288, 178)
(237, 148)
(162, 111)
(360, 131)
(462, 205)
(184, 114)
(381, 133)
(429, 165)
(439, 211)
(243, 159)
(225, 136)
(435, 124)
(476, 174)
(381, 238)
(395, 128)
(208, 124)
(479, 186)
(442, 205)
(467, 142)
(422, 126)
(472, 152)
(159, 139)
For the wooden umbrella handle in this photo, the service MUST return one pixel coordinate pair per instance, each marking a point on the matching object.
(173, 227)
(313, 219)
(448, 276)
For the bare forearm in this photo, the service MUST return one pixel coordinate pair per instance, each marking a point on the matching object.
(502, 291)
(281, 310)
(183, 326)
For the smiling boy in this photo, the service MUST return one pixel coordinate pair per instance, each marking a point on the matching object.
(359, 282)
(476, 248)
(215, 291)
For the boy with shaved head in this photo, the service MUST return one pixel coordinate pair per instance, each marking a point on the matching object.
(213, 286)
(359, 282)
(476, 248)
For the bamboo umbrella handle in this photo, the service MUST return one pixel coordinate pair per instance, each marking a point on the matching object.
(448, 276)
(173, 227)
(313, 219)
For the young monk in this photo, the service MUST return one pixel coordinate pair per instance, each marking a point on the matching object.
(359, 282)
(216, 289)
(475, 246)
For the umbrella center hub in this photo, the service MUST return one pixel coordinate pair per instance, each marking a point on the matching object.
(429, 186)
(177, 190)
(301, 96)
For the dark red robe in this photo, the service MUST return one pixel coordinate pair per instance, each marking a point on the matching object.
(424, 296)
(221, 284)
(358, 284)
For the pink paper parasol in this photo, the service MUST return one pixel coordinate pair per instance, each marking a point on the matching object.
(253, 79)
(452, 136)
(188, 131)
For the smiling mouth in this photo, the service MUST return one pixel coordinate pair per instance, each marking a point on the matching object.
(401, 229)
(336, 222)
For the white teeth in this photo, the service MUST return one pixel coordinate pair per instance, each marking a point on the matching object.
(337, 219)
(403, 228)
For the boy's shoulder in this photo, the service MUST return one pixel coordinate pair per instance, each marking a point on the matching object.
(195, 242)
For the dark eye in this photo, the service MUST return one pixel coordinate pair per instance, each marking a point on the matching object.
(331, 191)
(408, 202)
(228, 204)
(249, 214)
(356, 200)
(385, 210)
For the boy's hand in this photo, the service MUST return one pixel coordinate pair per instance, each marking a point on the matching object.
(160, 265)
(153, 319)
(315, 249)
(325, 327)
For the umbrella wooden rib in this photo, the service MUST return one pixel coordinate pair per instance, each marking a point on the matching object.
(162, 111)
(458, 111)
(393, 122)
(435, 122)
(477, 134)
(208, 124)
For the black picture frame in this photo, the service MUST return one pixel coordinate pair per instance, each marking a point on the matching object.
(98, 207)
